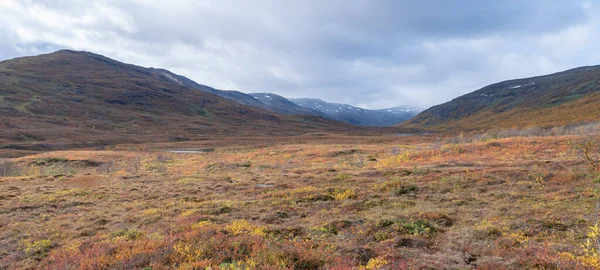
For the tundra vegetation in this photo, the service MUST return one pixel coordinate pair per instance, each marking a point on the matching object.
(477, 201)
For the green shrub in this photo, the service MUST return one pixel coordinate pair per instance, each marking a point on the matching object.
(416, 227)
(381, 236)
(342, 177)
(406, 190)
(328, 229)
(128, 234)
(420, 171)
(385, 223)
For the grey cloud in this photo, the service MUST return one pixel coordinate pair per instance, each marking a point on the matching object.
(372, 53)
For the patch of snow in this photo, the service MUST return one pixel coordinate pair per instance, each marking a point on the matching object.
(169, 76)
(522, 85)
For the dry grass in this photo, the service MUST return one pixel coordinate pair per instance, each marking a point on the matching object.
(370, 203)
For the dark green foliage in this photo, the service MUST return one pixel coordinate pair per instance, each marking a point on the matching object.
(416, 227)
(406, 190)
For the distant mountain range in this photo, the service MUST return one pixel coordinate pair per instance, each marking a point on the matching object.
(333, 111)
(563, 98)
(356, 115)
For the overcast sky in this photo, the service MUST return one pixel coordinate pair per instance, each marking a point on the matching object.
(373, 54)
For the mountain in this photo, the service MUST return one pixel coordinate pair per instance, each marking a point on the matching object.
(563, 98)
(278, 104)
(236, 96)
(68, 99)
(356, 115)
(266, 101)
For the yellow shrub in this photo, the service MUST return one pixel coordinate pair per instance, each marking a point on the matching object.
(341, 195)
(388, 185)
(201, 224)
(188, 253)
(151, 211)
(242, 226)
(37, 247)
(376, 263)
(188, 213)
(592, 256)
(393, 161)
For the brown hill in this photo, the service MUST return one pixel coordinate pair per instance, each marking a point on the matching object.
(569, 97)
(68, 99)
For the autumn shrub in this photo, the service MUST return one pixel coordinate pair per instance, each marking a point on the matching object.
(588, 148)
(128, 234)
(133, 166)
(462, 138)
(106, 168)
(342, 194)
(9, 168)
(376, 263)
(37, 247)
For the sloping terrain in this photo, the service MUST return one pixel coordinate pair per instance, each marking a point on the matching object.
(68, 99)
(267, 101)
(356, 115)
(236, 96)
(307, 106)
(563, 98)
(280, 104)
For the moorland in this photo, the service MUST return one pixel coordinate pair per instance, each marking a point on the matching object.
(518, 200)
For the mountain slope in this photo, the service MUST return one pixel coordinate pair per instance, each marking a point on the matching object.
(266, 101)
(568, 97)
(276, 103)
(69, 98)
(356, 115)
(283, 105)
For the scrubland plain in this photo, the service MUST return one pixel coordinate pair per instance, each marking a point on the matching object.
(312, 202)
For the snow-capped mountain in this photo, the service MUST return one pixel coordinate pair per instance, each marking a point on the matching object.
(359, 116)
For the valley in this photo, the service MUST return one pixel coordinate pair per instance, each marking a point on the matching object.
(107, 165)
(330, 201)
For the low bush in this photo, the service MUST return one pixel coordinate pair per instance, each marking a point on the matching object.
(405, 190)
(9, 168)
(416, 227)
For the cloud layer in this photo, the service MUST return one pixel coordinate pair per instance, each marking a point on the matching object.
(373, 54)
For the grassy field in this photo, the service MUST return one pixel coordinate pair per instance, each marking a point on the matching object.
(303, 203)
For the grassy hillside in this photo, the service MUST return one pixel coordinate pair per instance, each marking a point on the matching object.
(563, 98)
(68, 99)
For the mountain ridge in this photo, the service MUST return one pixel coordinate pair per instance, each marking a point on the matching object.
(279, 104)
(567, 97)
(359, 116)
